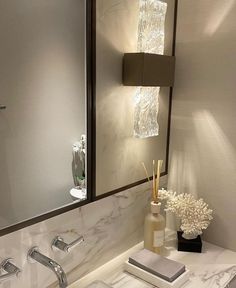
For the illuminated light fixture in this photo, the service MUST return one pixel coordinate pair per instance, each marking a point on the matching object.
(149, 68)
(145, 69)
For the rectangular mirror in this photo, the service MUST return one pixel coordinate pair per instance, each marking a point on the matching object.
(118, 153)
(42, 108)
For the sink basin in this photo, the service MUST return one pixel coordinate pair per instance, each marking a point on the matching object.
(78, 194)
(98, 284)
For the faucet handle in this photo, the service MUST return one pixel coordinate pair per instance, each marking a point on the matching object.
(59, 243)
(11, 269)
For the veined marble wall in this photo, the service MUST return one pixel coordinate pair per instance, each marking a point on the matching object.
(110, 226)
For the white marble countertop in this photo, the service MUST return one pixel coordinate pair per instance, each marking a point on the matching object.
(210, 269)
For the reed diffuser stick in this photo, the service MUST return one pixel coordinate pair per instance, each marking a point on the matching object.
(159, 165)
(154, 182)
(155, 178)
(146, 172)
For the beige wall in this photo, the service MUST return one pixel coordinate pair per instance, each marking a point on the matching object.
(119, 153)
(203, 136)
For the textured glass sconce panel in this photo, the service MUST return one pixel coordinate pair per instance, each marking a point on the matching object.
(151, 33)
(146, 111)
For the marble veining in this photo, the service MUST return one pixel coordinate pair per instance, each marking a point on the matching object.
(206, 276)
(211, 276)
(110, 226)
(128, 280)
(215, 267)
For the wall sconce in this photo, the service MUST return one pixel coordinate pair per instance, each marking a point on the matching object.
(145, 69)
(149, 68)
(149, 72)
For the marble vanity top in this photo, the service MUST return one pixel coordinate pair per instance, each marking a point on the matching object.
(209, 269)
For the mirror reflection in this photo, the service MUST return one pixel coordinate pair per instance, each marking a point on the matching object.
(120, 111)
(42, 101)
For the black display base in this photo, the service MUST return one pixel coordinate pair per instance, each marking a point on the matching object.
(193, 245)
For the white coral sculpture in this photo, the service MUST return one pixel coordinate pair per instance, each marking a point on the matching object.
(194, 214)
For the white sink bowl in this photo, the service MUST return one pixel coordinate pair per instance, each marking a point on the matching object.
(78, 194)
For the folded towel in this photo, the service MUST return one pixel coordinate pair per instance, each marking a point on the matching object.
(157, 265)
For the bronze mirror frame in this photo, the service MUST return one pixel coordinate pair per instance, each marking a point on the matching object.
(93, 91)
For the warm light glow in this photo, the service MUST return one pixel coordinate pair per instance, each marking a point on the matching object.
(200, 146)
(207, 127)
(150, 39)
(218, 16)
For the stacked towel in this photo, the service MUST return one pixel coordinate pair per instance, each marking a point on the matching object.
(157, 265)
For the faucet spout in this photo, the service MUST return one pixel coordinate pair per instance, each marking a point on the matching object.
(51, 264)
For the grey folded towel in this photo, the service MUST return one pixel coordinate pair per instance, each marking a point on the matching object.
(155, 264)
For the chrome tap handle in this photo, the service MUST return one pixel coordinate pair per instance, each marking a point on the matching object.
(59, 243)
(10, 268)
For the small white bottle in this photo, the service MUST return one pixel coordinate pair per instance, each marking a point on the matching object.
(154, 229)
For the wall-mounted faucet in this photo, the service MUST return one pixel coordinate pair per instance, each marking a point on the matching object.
(49, 263)
(10, 268)
(58, 242)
